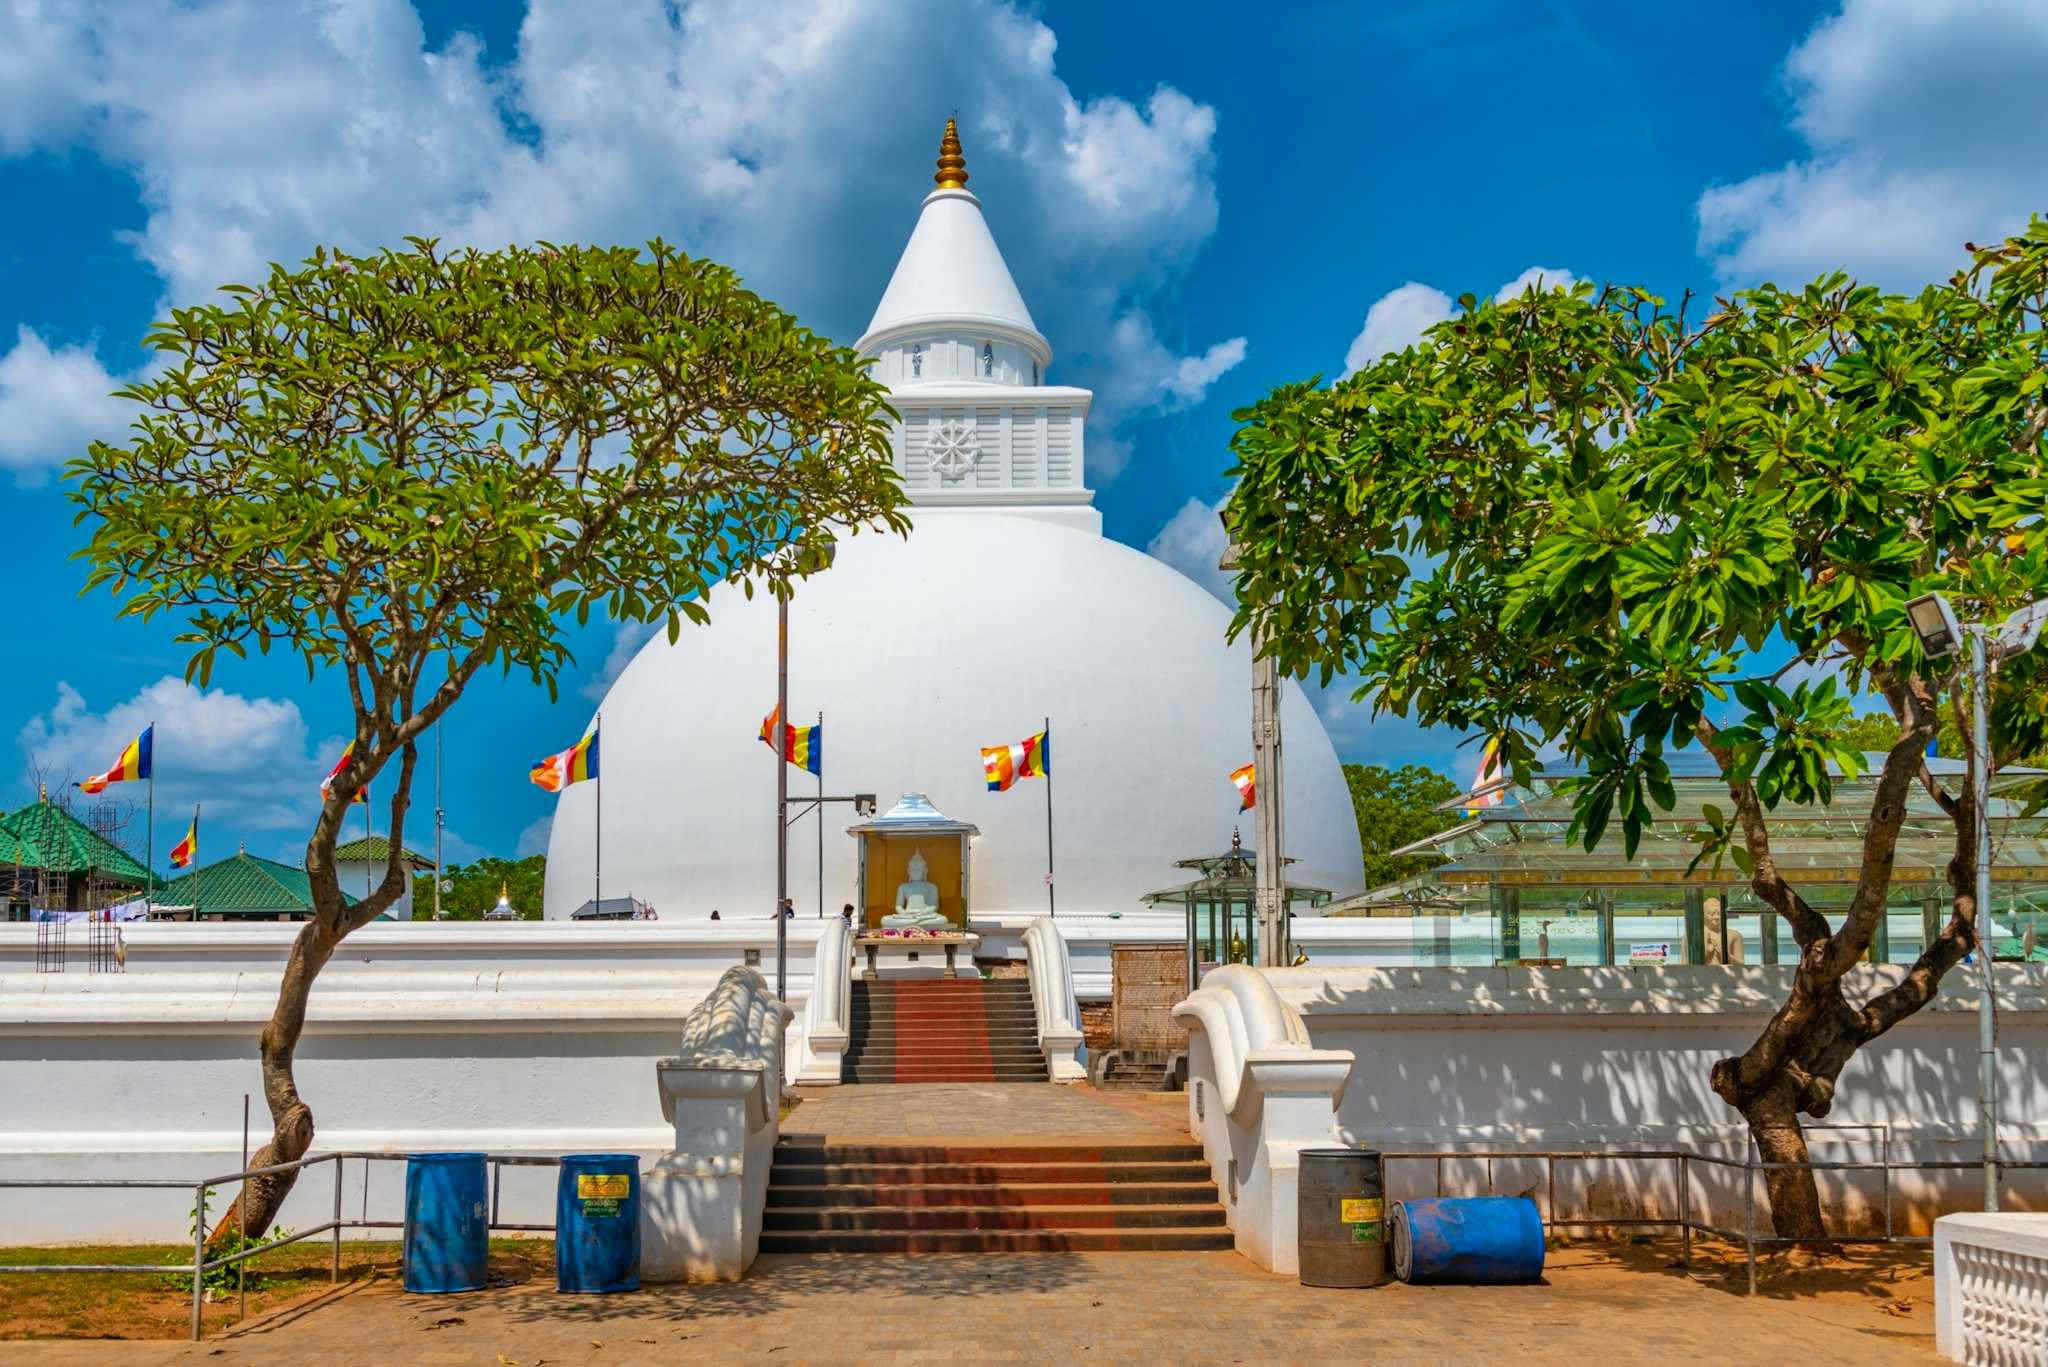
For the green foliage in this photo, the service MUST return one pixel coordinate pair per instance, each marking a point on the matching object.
(1397, 807)
(410, 466)
(475, 889)
(1579, 517)
(444, 453)
(220, 1282)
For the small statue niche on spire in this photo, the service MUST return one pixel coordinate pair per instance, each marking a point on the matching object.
(952, 172)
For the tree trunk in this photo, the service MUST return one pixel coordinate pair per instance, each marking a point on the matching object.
(1794, 1194)
(291, 1119)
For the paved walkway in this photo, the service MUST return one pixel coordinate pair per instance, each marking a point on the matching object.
(955, 1110)
(1183, 1308)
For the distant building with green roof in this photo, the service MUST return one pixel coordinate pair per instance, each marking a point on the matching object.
(243, 887)
(361, 864)
(49, 859)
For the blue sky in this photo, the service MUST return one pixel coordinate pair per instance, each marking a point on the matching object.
(1199, 202)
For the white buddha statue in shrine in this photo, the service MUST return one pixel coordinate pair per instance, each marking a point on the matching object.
(917, 899)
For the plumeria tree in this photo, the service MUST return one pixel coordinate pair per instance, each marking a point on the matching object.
(1580, 518)
(410, 467)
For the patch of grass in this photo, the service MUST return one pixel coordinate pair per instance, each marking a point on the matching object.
(155, 1305)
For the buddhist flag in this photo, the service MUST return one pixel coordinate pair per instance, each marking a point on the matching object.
(1028, 758)
(362, 794)
(1245, 780)
(187, 850)
(573, 765)
(805, 745)
(133, 764)
(1489, 783)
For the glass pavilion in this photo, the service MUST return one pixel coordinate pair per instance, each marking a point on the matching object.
(1513, 891)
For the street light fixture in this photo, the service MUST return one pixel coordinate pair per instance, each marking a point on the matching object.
(1934, 621)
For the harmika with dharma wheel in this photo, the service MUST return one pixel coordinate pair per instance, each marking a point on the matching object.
(914, 891)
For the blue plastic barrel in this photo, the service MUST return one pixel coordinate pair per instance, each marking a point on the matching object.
(1468, 1240)
(597, 1223)
(447, 1222)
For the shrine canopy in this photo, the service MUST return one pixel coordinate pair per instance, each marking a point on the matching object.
(913, 831)
(1221, 906)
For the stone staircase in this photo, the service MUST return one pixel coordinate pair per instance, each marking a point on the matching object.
(943, 1030)
(1127, 1074)
(1048, 1196)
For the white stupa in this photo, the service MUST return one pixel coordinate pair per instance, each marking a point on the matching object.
(1004, 607)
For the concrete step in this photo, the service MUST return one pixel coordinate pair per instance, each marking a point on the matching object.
(882, 1077)
(917, 1195)
(1006, 1016)
(997, 1241)
(811, 1150)
(981, 1174)
(1093, 1216)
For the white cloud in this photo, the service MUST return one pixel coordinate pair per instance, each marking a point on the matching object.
(1140, 375)
(250, 760)
(792, 142)
(627, 638)
(1398, 318)
(1549, 277)
(1395, 322)
(53, 400)
(1926, 124)
(1192, 541)
(534, 839)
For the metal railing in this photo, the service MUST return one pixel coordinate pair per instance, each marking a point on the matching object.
(201, 1264)
(1683, 1163)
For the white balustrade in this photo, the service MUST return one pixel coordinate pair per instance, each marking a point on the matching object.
(1052, 1000)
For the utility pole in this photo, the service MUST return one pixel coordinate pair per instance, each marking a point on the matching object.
(1271, 825)
(1268, 772)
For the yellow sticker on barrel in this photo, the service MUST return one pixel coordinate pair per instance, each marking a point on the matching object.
(603, 1186)
(1358, 1210)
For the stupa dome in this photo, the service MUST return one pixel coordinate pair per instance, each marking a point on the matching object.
(920, 651)
(1005, 607)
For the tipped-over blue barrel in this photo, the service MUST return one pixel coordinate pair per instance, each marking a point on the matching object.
(447, 1222)
(597, 1223)
(1468, 1240)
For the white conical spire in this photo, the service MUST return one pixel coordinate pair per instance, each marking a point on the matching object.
(951, 274)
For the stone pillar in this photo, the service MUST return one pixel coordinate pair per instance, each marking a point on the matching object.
(1767, 933)
(1881, 937)
(1607, 929)
(1930, 921)
(700, 1205)
(1695, 927)
(1511, 926)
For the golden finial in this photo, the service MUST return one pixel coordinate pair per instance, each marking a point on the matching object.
(504, 890)
(952, 172)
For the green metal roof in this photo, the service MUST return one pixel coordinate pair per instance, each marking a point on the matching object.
(375, 849)
(243, 885)
(44, 835)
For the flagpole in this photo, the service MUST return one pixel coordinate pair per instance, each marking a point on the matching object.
(1051, 908)
(597, 857)
(198, 868)
(438, 822)
(149, 883)
(818, 739)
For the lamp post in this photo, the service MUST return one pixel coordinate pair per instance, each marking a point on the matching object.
(788, 557)
(1269, 894)
(1934, 621)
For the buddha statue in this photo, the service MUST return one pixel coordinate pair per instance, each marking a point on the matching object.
(917, 900)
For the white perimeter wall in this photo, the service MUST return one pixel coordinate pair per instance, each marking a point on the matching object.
(1585, 1058)
(525, 1037)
